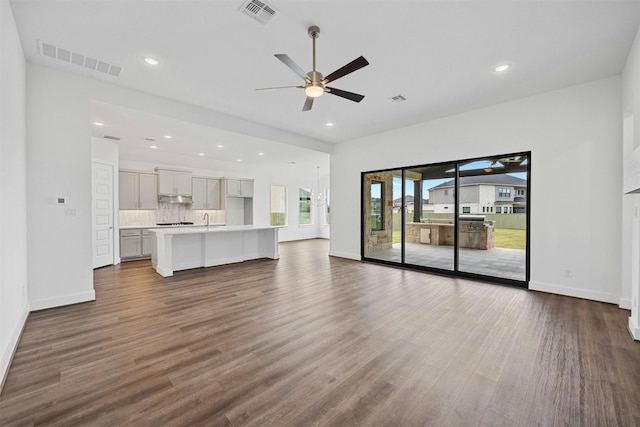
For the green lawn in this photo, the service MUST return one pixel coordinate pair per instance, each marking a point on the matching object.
(502, 238)
(509, 238)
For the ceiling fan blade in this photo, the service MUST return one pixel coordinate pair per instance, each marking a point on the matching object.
(289, 63)
(352, 66)
(280, 87)
(308, 103)
(344, 94)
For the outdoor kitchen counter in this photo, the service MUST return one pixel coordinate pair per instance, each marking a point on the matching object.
(182, 248)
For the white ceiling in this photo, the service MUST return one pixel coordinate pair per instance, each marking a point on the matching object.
(437, 54)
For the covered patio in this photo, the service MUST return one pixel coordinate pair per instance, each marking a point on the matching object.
(497, 262)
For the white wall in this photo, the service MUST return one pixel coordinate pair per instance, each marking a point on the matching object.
(14, 306)
(574, 136)
(631, 202)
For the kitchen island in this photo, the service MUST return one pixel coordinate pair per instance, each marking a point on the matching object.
(182, 248)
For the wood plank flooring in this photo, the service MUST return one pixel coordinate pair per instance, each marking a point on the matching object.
(311, 340)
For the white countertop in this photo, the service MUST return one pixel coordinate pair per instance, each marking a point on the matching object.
(146, 227)
(164, 231)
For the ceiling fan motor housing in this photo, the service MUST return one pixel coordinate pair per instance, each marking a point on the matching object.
(314, 87)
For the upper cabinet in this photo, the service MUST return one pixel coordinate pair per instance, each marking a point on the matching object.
(148, 191)
(199, 191)
(137, 190)
(174, 182)
(206, 193)
(239, 187)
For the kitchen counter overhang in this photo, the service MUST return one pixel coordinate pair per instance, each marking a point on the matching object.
(183, 248)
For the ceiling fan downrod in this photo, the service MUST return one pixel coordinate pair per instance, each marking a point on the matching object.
(315, 87)
(314, 33)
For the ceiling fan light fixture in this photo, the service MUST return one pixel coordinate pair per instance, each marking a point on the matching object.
(314, 91)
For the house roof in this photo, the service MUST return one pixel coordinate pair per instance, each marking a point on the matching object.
(497, 179)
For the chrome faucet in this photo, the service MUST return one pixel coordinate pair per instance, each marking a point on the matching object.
(206, 216)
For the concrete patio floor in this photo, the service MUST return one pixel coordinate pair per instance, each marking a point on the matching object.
(496, 262)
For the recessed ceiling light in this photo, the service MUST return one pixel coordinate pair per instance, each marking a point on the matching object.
(261, 154)
(153, 146)
(200, 154)
(219, 145)
(151, 61)
(501, 68)
(329, 124)
(168, 136)
(238, 160)
(98, 123)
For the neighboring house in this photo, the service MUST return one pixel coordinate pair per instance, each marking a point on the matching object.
(484, 194)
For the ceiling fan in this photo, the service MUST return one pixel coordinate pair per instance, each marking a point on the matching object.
(314, 83)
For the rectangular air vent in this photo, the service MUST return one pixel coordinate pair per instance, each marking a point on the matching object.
(68, 56)
(398, 98)
(259, 10)
(114, 138)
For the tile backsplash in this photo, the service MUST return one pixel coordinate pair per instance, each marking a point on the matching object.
(169, 212)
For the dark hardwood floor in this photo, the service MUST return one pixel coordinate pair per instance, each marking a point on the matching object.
(314, 340)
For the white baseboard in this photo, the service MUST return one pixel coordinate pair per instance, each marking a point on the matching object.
(14, 340)
(64, 300)
(625, 303)
(575, 292)
(634, 329)
(348, 255)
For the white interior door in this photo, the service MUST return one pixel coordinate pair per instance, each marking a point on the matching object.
(102, 197)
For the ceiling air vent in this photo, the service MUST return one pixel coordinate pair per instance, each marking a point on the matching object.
(397, 98)
(114, 138)
(70, 57)
(259, 10)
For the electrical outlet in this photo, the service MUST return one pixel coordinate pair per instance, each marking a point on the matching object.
(568, 274)
(70, 212)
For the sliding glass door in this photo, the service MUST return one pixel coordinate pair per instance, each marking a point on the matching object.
(430, 213)
(492, 229)
(468, 218)
(382, 220)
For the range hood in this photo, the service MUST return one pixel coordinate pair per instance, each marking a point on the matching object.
(165, 198)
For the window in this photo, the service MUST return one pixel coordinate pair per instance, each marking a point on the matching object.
(327, 211)
(519, 192)
(499, 209)
(377, 204)
(278, 205)
(304, 209)
(466, 209)
(484, 209)
(504, 192)
(446, 192)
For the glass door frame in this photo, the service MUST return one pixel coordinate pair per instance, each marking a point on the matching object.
(456, 255)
